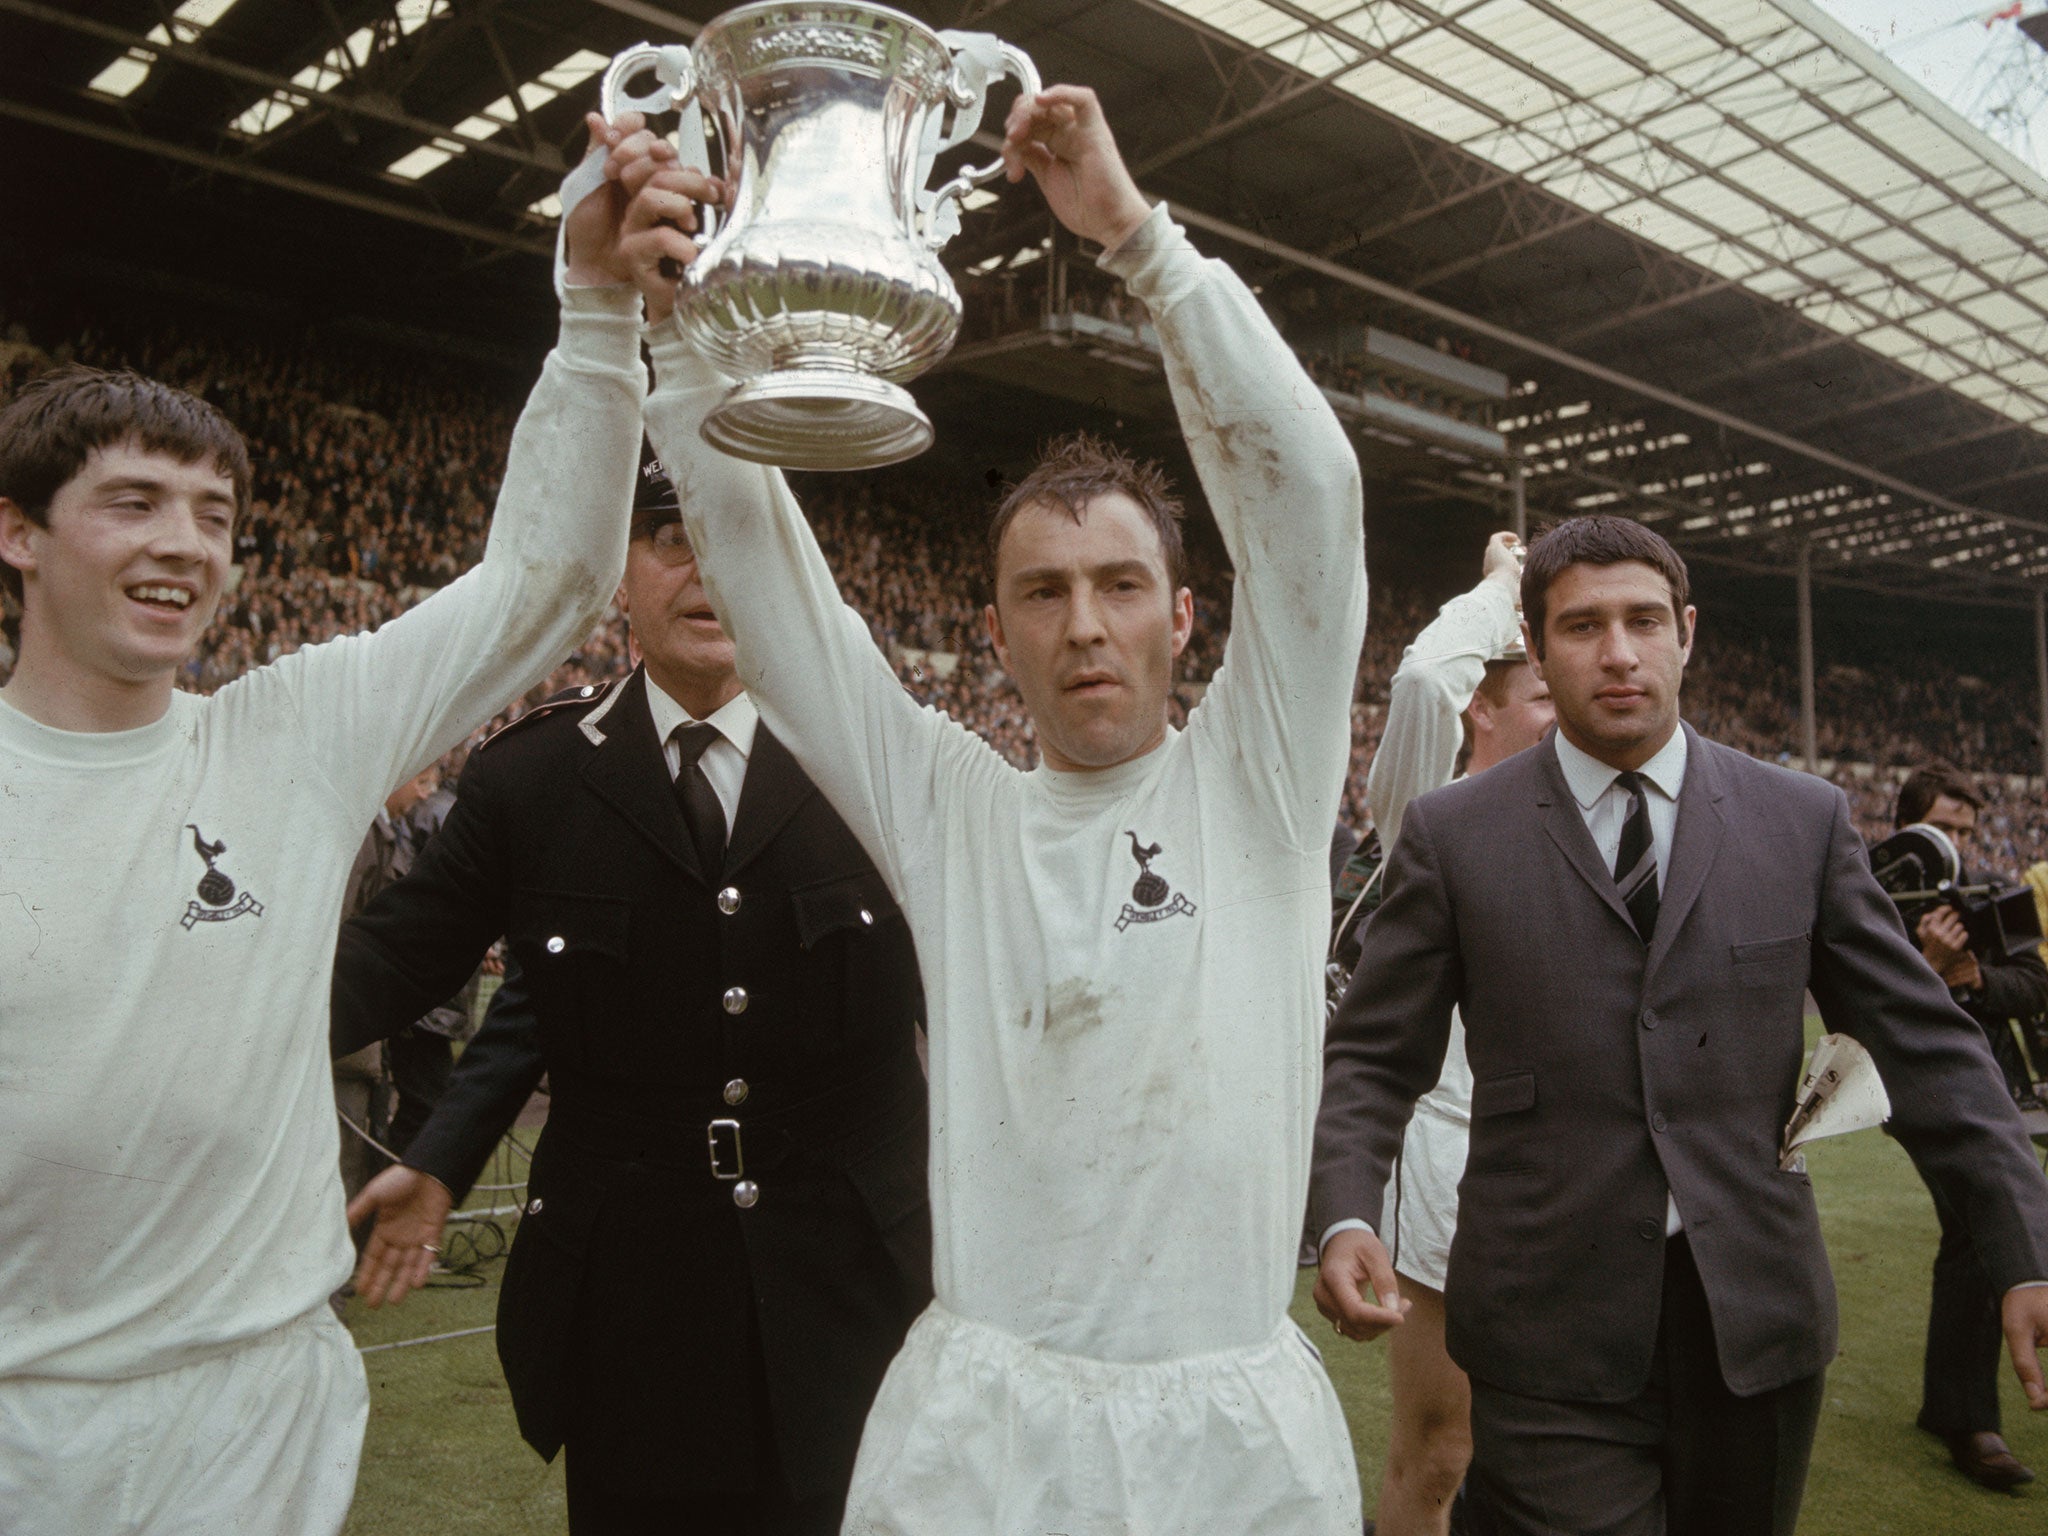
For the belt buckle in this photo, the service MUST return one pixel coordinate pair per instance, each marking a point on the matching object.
(730, 1128)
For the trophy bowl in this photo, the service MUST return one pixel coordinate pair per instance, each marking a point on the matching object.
(819, 288)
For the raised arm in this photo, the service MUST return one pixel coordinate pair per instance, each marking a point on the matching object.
(374, 708)
(805, 656)
(1439, 673)
(1278, 470)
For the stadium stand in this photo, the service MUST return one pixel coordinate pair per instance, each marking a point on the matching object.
(375, 472)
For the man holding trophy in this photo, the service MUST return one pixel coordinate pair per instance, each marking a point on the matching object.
(170, 1201)
(1121, 949)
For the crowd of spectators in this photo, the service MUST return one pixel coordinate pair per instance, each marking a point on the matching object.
(374, 476)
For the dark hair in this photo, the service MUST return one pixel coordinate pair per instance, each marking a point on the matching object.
(1927, 784)
(1596, 539)
(58, 421)
(1073, 471)
(1493, 683)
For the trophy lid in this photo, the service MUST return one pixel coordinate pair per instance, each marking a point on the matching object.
(831, 34)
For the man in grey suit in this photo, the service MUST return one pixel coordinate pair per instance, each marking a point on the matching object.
(1628, 918)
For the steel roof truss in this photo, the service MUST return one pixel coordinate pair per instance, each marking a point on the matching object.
(194, 55)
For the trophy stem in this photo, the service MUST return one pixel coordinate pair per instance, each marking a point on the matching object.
(819, 416)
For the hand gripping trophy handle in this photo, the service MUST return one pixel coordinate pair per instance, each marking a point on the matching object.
(821, 293)
(979, 59)
(675, 87)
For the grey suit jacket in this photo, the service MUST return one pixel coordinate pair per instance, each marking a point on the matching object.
(1606, 1074)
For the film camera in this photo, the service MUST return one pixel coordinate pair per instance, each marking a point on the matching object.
(1919, 868)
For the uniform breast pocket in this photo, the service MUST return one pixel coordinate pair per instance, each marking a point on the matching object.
(572, 949)
(855, 905)
(857, 943)
(1781, 962)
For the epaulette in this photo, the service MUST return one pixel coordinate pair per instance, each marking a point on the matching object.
(568, 698)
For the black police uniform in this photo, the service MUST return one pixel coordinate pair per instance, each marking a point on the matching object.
(727, 1232)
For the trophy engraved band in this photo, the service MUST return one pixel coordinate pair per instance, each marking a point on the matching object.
(820, 288)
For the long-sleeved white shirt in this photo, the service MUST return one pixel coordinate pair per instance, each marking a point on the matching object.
(1418, 752)
(1603, 805)
(1431, 688)
(1122, 967)
(169, 899)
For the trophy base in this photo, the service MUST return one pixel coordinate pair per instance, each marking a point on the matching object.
(819, 418)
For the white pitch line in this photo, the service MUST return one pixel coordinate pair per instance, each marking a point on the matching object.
(432, 1338)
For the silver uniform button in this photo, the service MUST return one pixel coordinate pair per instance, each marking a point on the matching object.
(736, 1091)
(867, 917)
(746, 1194)
(533, 1206)
(555, 945)
(735, 999)
(729, 901)
(588, 690)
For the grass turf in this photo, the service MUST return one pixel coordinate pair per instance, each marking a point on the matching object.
(444, 1454)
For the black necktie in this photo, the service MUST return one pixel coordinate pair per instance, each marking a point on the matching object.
(1635, 861)
(702, 813)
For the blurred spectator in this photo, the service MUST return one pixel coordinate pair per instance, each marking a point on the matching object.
(374, 478)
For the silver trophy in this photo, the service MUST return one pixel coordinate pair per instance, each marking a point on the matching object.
(820, 287)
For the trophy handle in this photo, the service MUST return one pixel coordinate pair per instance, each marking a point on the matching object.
(978, 59)
(675, 75)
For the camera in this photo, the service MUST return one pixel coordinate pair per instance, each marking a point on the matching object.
(1919, 868)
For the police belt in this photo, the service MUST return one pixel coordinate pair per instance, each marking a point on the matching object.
(698, 1132)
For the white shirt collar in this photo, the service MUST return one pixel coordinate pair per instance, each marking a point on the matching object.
(735, 719)
(1589, 778)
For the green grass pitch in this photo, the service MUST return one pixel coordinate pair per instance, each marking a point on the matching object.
(444, 1455)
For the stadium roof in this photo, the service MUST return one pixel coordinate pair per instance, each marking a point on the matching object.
(1756, 285)
(1762, 142)
(1767, 147)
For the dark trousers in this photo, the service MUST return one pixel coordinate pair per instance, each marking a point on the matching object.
(1686, 1455)
(597, 1508)
(1965, 1336)
(612, 1494)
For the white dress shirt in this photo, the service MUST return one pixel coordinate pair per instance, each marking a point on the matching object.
(725, 760)
(1605, 808)
(1604, 805)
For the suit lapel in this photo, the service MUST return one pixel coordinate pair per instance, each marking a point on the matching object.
(629, 774)
(1695, 839)
(1567, 828)
(774, 789)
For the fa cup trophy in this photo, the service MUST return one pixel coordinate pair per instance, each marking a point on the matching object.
(819, 288)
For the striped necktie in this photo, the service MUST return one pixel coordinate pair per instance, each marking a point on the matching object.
(1635, 862)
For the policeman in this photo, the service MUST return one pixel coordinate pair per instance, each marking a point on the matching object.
(727, 1233)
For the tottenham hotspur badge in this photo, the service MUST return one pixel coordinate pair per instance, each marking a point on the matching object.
(216, 890)
(1151, 891)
